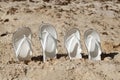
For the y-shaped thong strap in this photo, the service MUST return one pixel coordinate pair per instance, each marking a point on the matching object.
(21, 43)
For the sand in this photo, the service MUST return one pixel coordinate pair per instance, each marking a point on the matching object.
(101, 15)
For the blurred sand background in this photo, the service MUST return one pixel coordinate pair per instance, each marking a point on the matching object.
(101, 15)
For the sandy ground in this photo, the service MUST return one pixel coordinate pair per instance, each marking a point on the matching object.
(101, 15)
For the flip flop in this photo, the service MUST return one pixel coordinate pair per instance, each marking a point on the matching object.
(92, 42)
(48, 38)
(72, 44)
(22, 43)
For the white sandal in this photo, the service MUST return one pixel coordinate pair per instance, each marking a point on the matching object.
(72, 44)
(92, 42)
(22, 43)
(48, 38)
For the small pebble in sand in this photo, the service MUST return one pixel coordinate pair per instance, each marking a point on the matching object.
(117, 57)
(107, 58)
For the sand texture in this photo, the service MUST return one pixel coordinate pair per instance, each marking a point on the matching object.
(101, 15)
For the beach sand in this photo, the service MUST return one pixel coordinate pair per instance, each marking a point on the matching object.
(101, 15)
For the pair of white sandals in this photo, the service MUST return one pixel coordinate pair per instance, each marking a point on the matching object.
(48, 37)
(92, 42)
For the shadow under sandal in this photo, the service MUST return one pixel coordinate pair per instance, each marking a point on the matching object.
(48, 38)
(92, 42)
(22, 44)
(72, 44)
